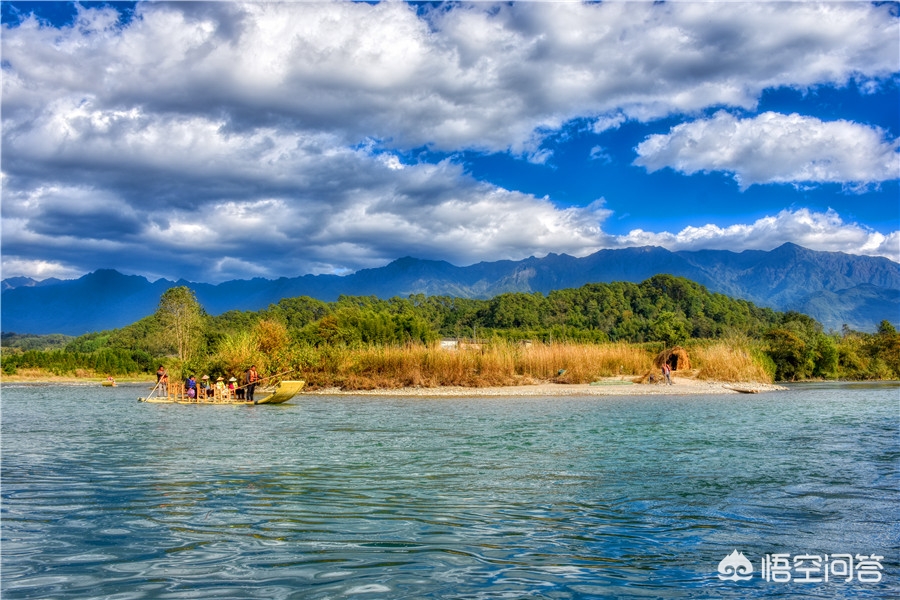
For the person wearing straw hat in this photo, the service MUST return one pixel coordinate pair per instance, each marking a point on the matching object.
(221, 389)
(206, 389)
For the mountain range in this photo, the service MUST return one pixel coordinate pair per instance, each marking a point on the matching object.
(835, 288)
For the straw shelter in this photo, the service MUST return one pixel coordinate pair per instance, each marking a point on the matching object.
(676, 357)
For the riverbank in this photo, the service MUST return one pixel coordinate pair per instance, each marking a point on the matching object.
(67, 380)
(602, 387)
(607, 386)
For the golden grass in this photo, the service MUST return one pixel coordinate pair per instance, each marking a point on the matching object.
(494, 364)
(728, 361)
(36, 374)
(491, 364)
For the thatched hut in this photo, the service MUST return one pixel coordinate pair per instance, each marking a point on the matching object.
(676, 357)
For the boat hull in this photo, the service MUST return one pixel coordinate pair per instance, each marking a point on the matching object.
(284, 392)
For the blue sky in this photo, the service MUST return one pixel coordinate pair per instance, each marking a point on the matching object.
(222, 140)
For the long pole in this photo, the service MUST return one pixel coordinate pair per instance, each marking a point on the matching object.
(158, 381)
(264, 378)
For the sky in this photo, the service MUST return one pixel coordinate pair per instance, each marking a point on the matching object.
(211, 141)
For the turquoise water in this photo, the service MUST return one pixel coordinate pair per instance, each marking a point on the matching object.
(362, 497)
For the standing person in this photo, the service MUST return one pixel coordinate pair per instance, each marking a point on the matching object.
(162, 381)
(667, 373)
(250, 380)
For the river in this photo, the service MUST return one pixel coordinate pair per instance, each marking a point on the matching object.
(381, 497)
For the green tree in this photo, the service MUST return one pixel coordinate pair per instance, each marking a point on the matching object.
(885, 328)
(884, 347)
(670, 328)
(791, 355)
(181, 319)
(298, 312)
(825, 357)
(515, 310)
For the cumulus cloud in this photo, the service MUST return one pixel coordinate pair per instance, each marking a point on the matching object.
(606, 122)
(220, 140)
(475, 76)
(826, 232)
(322, 212)
(775, 148)
(39, 269)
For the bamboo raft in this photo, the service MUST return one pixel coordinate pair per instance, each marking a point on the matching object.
(176, 394)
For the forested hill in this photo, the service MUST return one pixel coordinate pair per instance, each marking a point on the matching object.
(302, 332)
(663, 308)
(833, 287)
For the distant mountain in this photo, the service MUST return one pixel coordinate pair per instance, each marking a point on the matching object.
(104, 299)
(14, 282)
(833, 287)
(858, 307)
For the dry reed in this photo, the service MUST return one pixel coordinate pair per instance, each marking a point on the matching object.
(729, 361)
(494, 364)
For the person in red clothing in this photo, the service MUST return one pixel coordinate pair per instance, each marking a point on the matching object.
(667, 373)
(250, 380)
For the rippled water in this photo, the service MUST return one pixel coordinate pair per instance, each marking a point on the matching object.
(361, 497)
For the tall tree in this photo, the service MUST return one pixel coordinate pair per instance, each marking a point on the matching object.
(181, 318)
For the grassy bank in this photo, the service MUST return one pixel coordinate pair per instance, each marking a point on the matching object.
(505, 364)
(36, 375)
(485, 365)
(731, 362)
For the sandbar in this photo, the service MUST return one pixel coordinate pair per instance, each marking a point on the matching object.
(602, 387)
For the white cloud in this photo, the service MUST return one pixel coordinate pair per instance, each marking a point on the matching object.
(477, 76)
(37, 269)
(600, 153)
(320, 213)
(217, 140)
(826, 232)
(607, 122)
(775, 148)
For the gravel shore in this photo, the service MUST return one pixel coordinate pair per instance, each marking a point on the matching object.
(603, 387)
(611, 386)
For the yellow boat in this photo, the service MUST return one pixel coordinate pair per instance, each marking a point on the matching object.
(283, 392)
